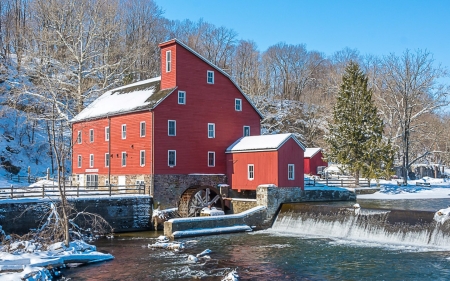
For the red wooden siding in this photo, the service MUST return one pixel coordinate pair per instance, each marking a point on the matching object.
(312, 163)
(132, 145)
(168, 79)
(290, 153)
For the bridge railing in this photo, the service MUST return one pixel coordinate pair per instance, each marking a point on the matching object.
(337, 182)
(49, 191)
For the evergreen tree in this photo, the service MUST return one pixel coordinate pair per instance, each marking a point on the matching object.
(356, 131)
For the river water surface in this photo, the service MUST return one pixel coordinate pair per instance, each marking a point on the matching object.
(276, 254)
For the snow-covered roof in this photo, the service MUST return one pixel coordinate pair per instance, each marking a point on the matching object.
(261, 143)
(141, 95)
(311, 151)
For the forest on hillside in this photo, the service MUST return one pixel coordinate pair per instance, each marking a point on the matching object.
(56, 56)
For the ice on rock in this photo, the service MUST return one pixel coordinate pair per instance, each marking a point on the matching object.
(442, 215)
(205, 252)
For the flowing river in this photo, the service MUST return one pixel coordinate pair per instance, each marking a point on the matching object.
(301, 245)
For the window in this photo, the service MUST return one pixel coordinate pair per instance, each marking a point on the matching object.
(142, 158)
(251, 171)
(181, 97)
(211, 159)
(79, 161)
(106, 182)
(91, 160)
(211, 130)
(79, 137)
(106, 133)
(210, 77)
(172, 127)
(291, 171)
(142, 126)
(124, 131)
(106, 159)
(238, 104)
(124, 159)
(168, 61)
(92, 181)
(140, 183)
(91, 135)
(172, 158)
(246, 131)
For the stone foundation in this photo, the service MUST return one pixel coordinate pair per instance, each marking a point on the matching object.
(242, 205)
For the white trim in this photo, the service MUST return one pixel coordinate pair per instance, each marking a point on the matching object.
(214, 158)
(168, 61)
(174, 128)
(79, 161)
(184, 97)
(243, 133)
(107, 133)
(174, 160)
(124, 131)
(212, 76)
(213, 130)
(123, 159)
(79, 137)
(140, 129)
(236, 107)
(251, 174)
(141, 156)
(91, 160)
(293, 172)
(107, 159)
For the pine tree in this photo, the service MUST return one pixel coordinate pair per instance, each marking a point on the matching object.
(356, 131)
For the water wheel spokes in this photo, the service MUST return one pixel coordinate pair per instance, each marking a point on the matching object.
(199, 198)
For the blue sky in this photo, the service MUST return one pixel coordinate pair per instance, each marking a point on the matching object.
(377, 27)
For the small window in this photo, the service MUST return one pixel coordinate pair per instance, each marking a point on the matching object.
(106, 159)
(140, 183)
(211, 159)
(172, 128)
(106, 133)
(181, 97)
(210, 77)
(238, 104)
(142, 126)
(91, 160)
(172, 158)
(91, 135)
(142, 158)
(124, 159)
(106, 182)
(291, 171)
(79, 137)
(79, 161)
(124, 131)
(168, 61)
(92, 181)
(211, 130)
(246, 131)
(251, 172)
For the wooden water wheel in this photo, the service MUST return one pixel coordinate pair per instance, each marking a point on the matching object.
(195, 198)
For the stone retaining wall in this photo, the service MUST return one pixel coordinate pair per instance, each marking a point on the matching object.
(240, 205)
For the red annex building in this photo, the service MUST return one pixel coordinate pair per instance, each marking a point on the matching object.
(313, 161)
(170, 132)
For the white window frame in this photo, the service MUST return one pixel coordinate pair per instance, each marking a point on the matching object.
(124, 131)
(210, 77)
(79, 161)
(142, 158)
(142, 129)
(174, 158)
(238, 104)
(92, 180)
(213, 159)
(123, 159)
(168, 61)
(211, 133)
(245, 127)
(291, 173)
(79, 136)
(107, 133)
(91, 160)
(91, 135)
(251, 171)
(181, 97)
(107, 159)
(174, 128)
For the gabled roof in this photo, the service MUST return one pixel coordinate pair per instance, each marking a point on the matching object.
(311, 151)
(261, 143)
(142, 95)
(216, 68)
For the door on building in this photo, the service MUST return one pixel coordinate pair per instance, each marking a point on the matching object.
(122, 184)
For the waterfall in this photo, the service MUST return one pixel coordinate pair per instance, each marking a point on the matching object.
(380, 226)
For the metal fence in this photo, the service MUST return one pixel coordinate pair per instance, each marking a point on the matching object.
(70, 191)
(337, 182)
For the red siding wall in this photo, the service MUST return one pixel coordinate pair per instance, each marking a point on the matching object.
(131, 145)
(311, 164)
(265, 168)
(205, 103)
(168, 79)
(290, 153)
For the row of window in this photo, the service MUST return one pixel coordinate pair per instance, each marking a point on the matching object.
(209, 73)
(171, 159)
(251, 171)
(172, 129)
(182, 100)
